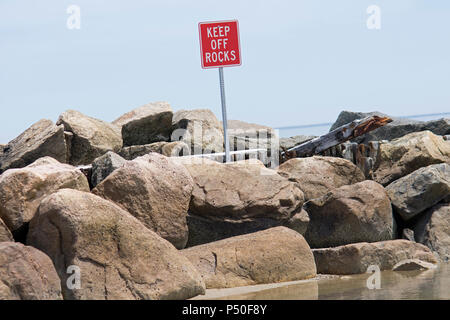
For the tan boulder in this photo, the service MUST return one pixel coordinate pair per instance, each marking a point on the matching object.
(317, 175)
(404, 155)
(150, 123)
(118, 257)
(360, 212)
(91, 137)
(21, 190)
(43, 138)
(154, 189)
(273, 255)
(357, 257)
(27, 274)
(5, 234)
(241, 190)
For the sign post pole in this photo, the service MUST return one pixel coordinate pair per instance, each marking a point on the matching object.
(224, 116)
(220, 47)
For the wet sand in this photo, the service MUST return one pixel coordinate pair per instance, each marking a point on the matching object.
(429, 284)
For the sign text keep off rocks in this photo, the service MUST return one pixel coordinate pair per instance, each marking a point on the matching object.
(219, 44)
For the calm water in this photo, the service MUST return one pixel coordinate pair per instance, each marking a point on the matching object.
(430, 284)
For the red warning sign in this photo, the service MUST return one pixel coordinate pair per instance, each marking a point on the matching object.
(219, 44)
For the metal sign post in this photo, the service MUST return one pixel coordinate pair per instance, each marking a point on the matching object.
(224, 116)
(220, 47)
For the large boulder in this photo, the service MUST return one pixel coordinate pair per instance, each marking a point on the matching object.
(219, 192)
(150, 123)
(27, 274)
(5, 234)
(396, 129)
(205, 230)
(355, 213)
(21, 190)
(168, 149)
(402, 156)
(433, 230)
(43, 138)
(273, 255)
(104, 165)
(199, 129)
(154, 189)
(118, 257)
(357, 257)
(317, 175)
(420, 190)
(91, 137)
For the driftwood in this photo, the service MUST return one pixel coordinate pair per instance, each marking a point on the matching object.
(339, 135)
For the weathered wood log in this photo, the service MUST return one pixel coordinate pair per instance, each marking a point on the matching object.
(339, 135)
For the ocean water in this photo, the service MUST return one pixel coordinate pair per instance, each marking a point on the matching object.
(395, 285)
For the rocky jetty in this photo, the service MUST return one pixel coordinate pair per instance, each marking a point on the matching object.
(132, 210)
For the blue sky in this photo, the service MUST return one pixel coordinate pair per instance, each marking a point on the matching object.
(302, 61)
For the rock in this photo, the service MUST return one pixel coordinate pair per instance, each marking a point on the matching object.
(357, 257)
(43, 138)
(409, 153)
(199, 129)
(408, 234)
(150, 123)
(5, 234)
(204, 230)
(91, 137)
(355, 213)
(287, 143)
(396, 129)
(433, 230)
(119, 258)
(220, 194)
(27, 274)
(413, 265)
(273, 255)
(420, 190)
(317, 175)
(104, 165)
(168, 149)
(299, 222)
(21, 190)
(156, 191)
(245, 136)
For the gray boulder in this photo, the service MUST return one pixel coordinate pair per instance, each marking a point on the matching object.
(91, 137)
(287, 143)
(168, 149)
(420, 190)
(396, 129)
(150, 123)
(43, 138)
(104, 165)
(433, 230)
